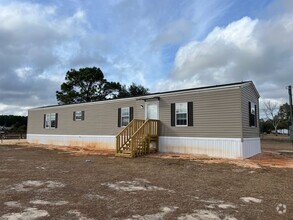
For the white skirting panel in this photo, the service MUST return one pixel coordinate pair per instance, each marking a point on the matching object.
(251, 146)
(95, 141)
(214, 147)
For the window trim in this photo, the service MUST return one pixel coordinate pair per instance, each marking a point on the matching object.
(131, 112)
(252, 117)
(190, 118)
(50, 120)
(78, 117)
(81, 116)
(121, 117)
(186, 125)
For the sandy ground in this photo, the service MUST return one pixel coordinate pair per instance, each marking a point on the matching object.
(277, 151)
(62, 183)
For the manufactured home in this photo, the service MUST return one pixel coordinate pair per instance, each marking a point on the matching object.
(218, 121)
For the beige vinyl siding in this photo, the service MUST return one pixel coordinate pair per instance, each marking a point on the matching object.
(216, 113)
(249, 95)
(100, 118)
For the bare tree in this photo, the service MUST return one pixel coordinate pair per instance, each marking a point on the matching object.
(271, 110)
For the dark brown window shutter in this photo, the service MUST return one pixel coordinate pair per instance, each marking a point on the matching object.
(190, 113)
(44, 124)
(82, 115)
(255, 117)
(56, 120)
(119, 117)
(73, 116)
(172, 114)
(249, 113)
(130, 114)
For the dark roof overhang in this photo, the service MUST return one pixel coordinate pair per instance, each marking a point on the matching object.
(149, 98)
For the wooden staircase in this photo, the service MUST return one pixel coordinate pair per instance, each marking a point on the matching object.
(134, 140)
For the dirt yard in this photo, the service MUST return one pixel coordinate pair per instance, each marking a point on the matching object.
(38, 183)
(276, 143)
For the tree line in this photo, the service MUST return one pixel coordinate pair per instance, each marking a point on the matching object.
(276, 117)
(89, 85)
(16, 123)
(84, 85)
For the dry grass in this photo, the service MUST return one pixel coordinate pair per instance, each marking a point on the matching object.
(53, 184)
(270, 157)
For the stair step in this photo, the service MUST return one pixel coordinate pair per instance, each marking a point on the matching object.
(140, 142)
(122, 155)
(126, 151)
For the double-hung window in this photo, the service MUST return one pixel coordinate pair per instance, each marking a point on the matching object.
(125, 116)
(252, 114)
(181, 116)
(50, 120)
(78, 116)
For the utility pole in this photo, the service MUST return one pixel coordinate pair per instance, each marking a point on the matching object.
(291, 119)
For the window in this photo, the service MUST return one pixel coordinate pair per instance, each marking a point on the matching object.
(182, 114)
(252, 114)
(78, 115)
(50, 120)
(125, 116)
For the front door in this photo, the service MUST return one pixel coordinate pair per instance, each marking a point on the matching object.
(152, 110)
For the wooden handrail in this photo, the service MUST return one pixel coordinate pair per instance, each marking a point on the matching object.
(136, 136)
(146, 122)
(130, 124)
(141, 137)
(125, 135)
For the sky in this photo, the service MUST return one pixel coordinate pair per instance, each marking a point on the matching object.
(162, 45)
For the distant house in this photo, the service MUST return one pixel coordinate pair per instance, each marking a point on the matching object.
(4, 129)
(282, 131)
(218, 121)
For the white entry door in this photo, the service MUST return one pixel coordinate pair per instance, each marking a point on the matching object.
(152, 110)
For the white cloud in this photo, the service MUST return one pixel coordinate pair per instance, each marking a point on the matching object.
(136, 41)
(13, 110)
(247, 49)
(216, 53)
(35, 46)
(23, 73)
